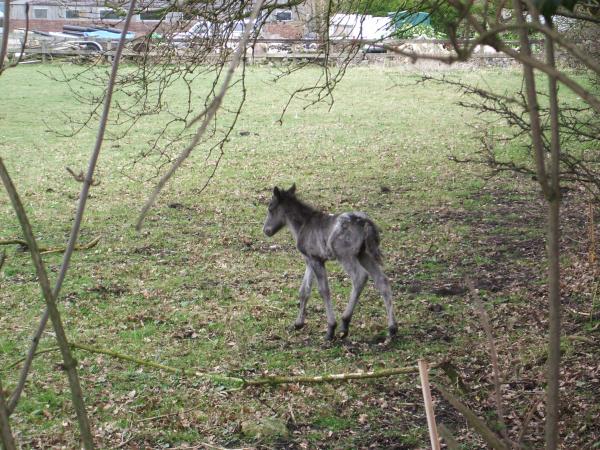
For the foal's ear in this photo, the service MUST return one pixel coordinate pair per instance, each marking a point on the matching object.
(276, 192)
(292, 190)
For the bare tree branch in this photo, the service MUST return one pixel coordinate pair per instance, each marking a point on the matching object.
(528, 61)
(573, 15)
(69, 363)
(8, 441)
(207, 115)
(79, 214)
(5, 33)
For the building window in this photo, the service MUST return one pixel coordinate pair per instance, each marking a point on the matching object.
(72, 14)
(40, 13)
(152, 15)
(283, 15)
(110, 14)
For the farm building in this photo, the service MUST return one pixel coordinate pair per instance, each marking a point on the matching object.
(356, 26)
(52, 15)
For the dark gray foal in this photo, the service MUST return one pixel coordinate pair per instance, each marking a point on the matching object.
(351, 238)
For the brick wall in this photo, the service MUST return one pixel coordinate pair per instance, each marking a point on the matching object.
(283, 30)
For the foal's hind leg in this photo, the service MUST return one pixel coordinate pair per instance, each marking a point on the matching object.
(383, 286)
(359, 277)
(305, 289)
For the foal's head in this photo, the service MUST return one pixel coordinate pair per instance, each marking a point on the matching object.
(275, 220)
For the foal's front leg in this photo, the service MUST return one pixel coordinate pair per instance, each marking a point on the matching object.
(318, 268)
(305, 289)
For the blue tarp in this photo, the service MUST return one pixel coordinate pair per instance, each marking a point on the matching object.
(402, 18)
(100, 34)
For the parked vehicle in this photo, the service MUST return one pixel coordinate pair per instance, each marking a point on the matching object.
(200, 30)
(206, 30)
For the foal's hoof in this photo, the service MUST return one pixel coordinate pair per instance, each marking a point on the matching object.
(330, 336)
(298, 326)
(345, 328)
(393, 331)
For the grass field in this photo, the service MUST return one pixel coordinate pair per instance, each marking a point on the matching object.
(200, 287)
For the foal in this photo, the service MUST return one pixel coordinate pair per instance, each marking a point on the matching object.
(351, 238)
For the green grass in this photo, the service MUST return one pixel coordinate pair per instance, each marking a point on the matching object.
(201, 287)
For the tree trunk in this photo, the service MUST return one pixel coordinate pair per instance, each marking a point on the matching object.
(553, 370)
(8, 442)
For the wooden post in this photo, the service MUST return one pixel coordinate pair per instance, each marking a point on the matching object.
(433, 433)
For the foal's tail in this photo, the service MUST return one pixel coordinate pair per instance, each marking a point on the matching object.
(372, 241)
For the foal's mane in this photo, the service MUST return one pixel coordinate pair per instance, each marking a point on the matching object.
(297, 208)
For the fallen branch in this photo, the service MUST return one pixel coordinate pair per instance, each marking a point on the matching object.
(527, 419)
(475, 422)
(487, 328)
(45, 251)
(585, 339)
(241, 382)
(450, 440)
(39, 352)
(221, 379)
(452, 373)
(275, 380)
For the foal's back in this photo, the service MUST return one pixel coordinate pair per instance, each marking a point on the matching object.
(352, 234)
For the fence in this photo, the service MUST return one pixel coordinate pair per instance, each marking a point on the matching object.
(262, 51)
